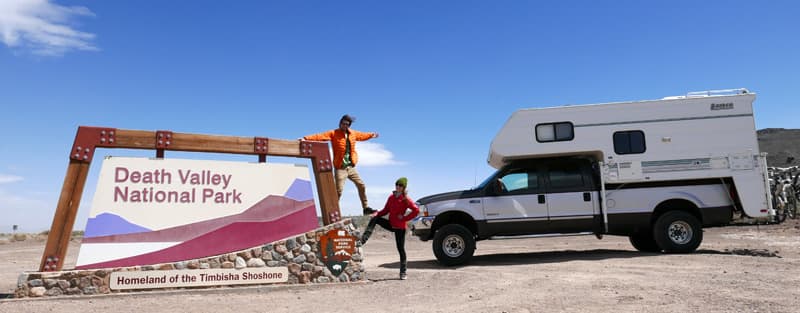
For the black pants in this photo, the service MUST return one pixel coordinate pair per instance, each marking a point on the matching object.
(399, 237)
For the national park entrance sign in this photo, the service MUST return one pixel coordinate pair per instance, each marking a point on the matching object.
(88, 139)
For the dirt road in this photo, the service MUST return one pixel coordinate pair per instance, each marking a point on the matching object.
(736, 269)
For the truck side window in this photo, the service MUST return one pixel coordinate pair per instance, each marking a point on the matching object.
(629, 142)
(566, 176)
(548, 132)
(520, 181)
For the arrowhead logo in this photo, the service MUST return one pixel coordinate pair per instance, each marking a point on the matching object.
(336, 247)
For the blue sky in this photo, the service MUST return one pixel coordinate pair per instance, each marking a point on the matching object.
(436, 79)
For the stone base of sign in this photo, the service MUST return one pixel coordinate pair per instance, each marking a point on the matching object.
(301, 255)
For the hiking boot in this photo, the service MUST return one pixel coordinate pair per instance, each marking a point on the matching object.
(368, 211)
(403, 276)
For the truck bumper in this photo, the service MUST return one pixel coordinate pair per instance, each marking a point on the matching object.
(421, 227)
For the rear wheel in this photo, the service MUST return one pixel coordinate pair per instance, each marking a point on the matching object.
(453, 244)
(678, 232)
(644, 242)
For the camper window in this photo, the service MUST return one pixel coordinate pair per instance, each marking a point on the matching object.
(629, 142)
(548, 132)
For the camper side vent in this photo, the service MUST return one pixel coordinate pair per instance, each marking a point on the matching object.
(676, 165)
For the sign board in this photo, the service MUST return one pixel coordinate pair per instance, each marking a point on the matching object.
(197, 278)
(150, 211)
(337, 248)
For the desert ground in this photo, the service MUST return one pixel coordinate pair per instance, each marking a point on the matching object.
(736, 269)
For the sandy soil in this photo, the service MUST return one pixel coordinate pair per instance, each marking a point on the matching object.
(736, 269)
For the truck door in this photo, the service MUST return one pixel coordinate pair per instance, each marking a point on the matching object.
(571, 196)
(515, 203)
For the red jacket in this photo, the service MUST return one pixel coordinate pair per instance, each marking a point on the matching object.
(339, 144)
(396, 208)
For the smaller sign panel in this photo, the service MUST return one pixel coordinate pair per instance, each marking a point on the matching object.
(197, 278)
(337, 247)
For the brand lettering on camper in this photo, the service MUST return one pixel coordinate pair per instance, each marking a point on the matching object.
(722, 106)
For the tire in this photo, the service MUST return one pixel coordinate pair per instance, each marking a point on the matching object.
(644, 242)
(453, 244)
(791, 208)
(678, 232)
(780, 214)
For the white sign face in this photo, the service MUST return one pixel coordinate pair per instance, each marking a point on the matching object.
(148, 211)
(197, 278)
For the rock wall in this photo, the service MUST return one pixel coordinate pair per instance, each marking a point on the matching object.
(301, 255)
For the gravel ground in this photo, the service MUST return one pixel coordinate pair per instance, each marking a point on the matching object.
(736, 269)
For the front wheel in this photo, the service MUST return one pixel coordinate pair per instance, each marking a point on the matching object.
(453, 244)
(678, 232)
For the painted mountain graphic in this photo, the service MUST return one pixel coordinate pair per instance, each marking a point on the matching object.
(110, 224)
(300, 190)
(271, 208)
(232, 237)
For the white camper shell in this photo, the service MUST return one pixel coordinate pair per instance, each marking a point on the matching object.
(656, 171)
(703, 135)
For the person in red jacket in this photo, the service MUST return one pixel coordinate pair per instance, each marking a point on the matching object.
(345, 157)
(397, 207)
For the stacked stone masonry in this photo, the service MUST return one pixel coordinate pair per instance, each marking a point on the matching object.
(299, 254)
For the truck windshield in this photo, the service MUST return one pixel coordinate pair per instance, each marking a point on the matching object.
(486, 181)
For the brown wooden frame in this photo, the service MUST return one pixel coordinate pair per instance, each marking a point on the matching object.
(89, 138)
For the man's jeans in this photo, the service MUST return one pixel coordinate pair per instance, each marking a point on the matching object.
(351, 173)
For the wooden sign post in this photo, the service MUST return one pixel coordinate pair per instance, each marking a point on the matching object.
(89, 138)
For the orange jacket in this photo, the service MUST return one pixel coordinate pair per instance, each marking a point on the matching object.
(336, 137)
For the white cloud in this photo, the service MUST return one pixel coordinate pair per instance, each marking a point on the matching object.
(7, 179)
(43, 27)
(374, 154)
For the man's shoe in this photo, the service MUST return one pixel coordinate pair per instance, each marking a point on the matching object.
(403, 276)
(368, 211)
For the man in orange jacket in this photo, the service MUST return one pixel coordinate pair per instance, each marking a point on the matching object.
(345, 157)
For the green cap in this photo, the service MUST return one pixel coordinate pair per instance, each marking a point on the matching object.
(402, 181)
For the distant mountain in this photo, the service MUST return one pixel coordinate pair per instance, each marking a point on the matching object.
(781, 145)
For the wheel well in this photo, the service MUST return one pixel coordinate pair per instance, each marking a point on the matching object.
(676, 205)
(455, 217)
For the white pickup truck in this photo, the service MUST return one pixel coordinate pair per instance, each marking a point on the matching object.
(654, 171)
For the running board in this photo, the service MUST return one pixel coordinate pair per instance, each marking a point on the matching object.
(540, 236)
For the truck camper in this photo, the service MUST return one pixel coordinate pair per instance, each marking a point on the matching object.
(656, 171)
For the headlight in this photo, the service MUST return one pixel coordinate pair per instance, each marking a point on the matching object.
(423, 210)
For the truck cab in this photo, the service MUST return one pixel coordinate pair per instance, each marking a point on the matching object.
(525, 197)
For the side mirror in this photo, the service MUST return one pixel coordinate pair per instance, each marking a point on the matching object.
(498, 187)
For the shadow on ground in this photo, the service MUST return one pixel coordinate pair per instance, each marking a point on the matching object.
(544, 257)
